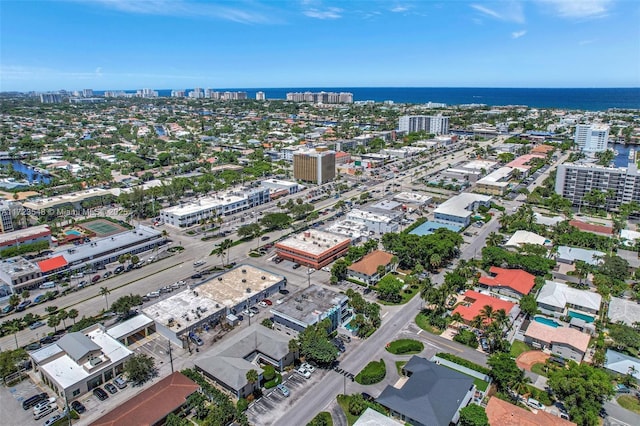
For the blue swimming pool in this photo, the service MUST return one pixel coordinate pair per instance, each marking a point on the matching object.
(584, 317)
(72, 232)
(349, 327)
(547, 321)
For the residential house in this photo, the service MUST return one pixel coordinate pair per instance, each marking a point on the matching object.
(511, 282)
(622, 364)
(366, 269)
(566, 342)
(474, 302)
(503, 413)
(432, 394)
(558, 300)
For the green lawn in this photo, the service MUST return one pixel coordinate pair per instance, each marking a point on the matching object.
(399, 365)
(539, 368)
(630, 403)
(406, 294)
(423, 322)
(405, 347)
(323, 417)
(481, 385)
(519, 347)
(343, 401)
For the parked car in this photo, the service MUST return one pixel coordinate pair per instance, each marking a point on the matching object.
(534, 403)
(283, 291)
(40, 298)
(120, 382)
(196, 276)
(33, 346)
(36, 324)
(95, 278)
(44, 412)
(310, 368)
(23, 305)
(255, 310)
(304, 372)
(47, 339)
(77, 405)
(100, 394)
(118, 270)
(268, 302)
(296, 265)
(42, 404)
(82, 284)
(248, 313)
(278, 259)
(7, 309)
(263, 304)
(620, 388)
(53, 419)
(283, 390)
(110, 388)
(107, 274)
(153, 294)
(197, 340)
(33, 400)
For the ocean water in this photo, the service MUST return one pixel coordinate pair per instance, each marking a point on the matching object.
(575, 99)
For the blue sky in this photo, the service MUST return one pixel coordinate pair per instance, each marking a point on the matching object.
(175, 44)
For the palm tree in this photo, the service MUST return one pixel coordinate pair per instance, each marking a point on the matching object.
(435, 260)
(494, 239)
(13, 328)
(487, 313)
(25, 294)
(54, 322)
(73, 314)
(14, 300)
(252, 376)
(104, 291)
(226, 245)
(63, 315)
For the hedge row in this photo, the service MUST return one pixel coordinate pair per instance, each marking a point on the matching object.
(404, 346)
(372, 373)
(463, 362)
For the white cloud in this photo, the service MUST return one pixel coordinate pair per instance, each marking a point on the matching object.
(510, 11)
(186, 8)
(399, 9)
(518, 34)
(579, 8)
(329, 13)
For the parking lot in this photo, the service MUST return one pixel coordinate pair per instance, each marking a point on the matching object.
(264, 410)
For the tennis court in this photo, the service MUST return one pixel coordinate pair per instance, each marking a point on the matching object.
(102, 227)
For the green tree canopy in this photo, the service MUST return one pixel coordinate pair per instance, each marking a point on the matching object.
(473, 415)
(583, 389)
(140, 368)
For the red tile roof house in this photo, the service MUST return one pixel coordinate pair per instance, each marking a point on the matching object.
(151, 406)
(502, 413)
(566, 342)
(366, 269)
(475, 302)
(510, 282)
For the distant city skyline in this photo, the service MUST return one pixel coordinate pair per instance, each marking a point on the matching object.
(181, 44)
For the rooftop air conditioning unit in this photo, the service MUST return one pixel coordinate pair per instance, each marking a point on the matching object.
(248, 290)
(219, 278)
(244, 271)
(244, 280)
(298, 307)
(263, 277)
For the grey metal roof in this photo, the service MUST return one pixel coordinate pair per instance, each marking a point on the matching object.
(431, 395)
(230, 370)
(622, 363)
(77, 345)
(228, 362)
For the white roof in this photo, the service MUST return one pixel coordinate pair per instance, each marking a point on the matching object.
(66, 372)
(412, 197)
(313, 241)
(457, 206)
(629, 236)
(558, 295)
(129, 326)
(546, 220)
(592, 257)
(371, 417)
(479, 164)
(358, 215)
(624, 310)
(525, 237)
(202, 204)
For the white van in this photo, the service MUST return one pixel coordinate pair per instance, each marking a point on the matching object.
(48, 284)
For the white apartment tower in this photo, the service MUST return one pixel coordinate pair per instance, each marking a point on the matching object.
(436, 124)
(592, 138)
(260, 96)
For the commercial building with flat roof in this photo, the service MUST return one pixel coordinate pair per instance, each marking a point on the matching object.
(102, 251)
(458, 210)
(380, 223)
(210, 302)
(74, 200)
(413, 199)
(310, 306)
(31, 235)
(436, 124)
(277, 185)
(315, 165)
(20, 273)
(221, 204)
(80, 361)
(496, 182)
(313, 248)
